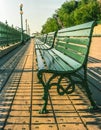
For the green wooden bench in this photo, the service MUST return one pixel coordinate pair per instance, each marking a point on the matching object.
(48, 42)
(68, 56)
(40, 39)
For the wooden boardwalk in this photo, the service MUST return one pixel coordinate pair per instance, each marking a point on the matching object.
(68, 112)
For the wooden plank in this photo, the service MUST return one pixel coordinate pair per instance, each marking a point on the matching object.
(65, 112)
(79, 27)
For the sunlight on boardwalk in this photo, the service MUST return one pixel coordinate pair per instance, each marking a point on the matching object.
(68, 112)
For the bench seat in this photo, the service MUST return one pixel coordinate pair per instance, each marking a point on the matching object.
(57, 61)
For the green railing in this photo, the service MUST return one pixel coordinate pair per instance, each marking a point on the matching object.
(10, 35)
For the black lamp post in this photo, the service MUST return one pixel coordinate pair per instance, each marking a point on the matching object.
(59, 22)
(21, 13)
(7, 32)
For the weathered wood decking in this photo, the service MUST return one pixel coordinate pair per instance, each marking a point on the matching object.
(68, 112)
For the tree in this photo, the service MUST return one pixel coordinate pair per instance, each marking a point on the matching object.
(73, 12)
(49, 26)
(66, 10)
(89, 12)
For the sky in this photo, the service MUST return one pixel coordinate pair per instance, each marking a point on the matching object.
(35, 11)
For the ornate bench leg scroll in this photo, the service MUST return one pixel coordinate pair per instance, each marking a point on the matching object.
(46, 93)
(60, 89)
(45, 97)
(69, 88)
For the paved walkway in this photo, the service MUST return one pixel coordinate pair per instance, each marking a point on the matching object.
(68, 112)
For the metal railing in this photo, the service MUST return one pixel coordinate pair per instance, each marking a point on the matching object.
(10, 35)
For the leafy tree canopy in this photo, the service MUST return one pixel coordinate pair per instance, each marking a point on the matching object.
(72, 13)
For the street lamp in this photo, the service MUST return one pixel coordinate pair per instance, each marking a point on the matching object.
(26, 25)
(59, 22)
(7, 32)
(21, 13)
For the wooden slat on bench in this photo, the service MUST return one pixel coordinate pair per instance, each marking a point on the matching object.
(54, 62)
(78, 27)
(40, 60)
(74, 41)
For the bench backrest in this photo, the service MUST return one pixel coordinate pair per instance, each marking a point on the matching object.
(42, 37)
(75, 41)
(50, 39)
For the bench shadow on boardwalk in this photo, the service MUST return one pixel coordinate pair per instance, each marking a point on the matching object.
(71, 111)
(68, 112)
(94, 78)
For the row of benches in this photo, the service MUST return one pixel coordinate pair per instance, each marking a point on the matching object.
(63, 54)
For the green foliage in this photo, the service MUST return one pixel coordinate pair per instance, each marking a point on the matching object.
(87, 13)
(73, 12)
(65, 12)
(49, 26)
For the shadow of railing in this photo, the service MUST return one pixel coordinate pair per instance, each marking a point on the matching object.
(94, 78)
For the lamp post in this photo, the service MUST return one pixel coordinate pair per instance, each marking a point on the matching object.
(7, 32)
(26, 25)
(21, 13)
(59, 22)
